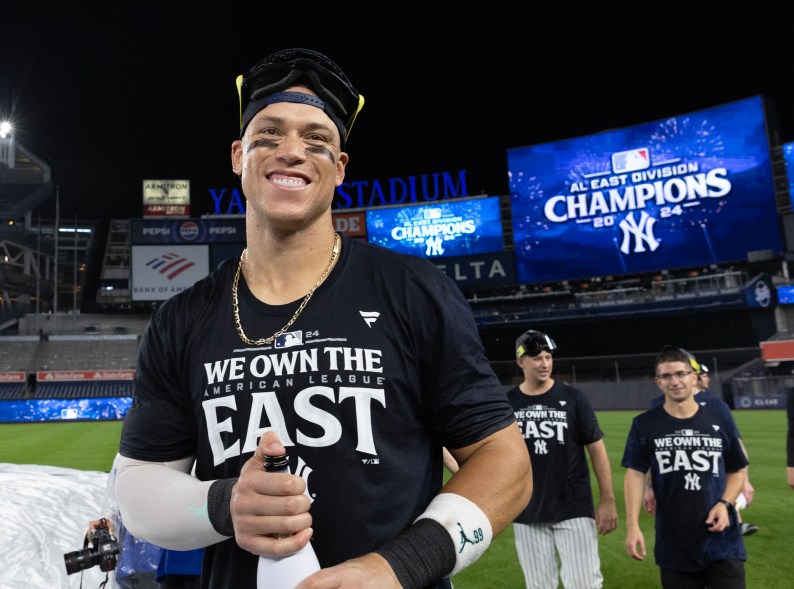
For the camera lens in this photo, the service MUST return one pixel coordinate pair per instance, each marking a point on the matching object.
(104, 552)
(79, 560)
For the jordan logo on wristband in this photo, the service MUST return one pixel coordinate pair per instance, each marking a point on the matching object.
(465, 523)
(478, 537)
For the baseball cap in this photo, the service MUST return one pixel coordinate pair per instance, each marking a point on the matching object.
(696, 366)
(532, 343)
(265, 83)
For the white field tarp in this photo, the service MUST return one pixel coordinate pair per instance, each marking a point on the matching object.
(44, 513)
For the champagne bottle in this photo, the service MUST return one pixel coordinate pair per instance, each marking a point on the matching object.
(284, 572)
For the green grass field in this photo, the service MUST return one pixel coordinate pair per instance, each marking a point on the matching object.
(92, 446)
(769, 564)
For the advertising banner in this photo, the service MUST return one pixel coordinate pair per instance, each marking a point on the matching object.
(486, 270)
(12, 377)
(83, 375)
(161, 271)
(166, 198)
(189, 231)
(28, 410)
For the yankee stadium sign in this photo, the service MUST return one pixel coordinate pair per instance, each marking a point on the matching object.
(363, 193)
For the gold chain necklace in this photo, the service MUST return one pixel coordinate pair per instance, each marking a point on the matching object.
(236, 306)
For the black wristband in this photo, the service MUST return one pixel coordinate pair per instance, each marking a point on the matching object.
(219, 509)
(726, 503)
(421, 555)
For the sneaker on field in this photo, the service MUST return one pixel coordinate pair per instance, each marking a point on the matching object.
(748, 529)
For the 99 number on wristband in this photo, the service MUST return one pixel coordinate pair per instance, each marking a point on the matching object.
(478, 534)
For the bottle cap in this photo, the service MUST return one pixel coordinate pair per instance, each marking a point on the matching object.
(273, 463)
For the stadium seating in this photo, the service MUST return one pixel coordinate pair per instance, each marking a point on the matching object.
(31, 354)
(12, 390)
(81, 390)
(65, 353)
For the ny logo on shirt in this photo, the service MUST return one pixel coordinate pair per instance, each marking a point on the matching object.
(692, 482)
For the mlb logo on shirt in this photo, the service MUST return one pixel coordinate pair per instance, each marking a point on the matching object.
(687, 432)
(289, 339)
(631, 160)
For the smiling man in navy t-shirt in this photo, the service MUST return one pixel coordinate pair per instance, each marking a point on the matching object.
(696, 463)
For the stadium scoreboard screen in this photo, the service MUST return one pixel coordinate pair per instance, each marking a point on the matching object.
(688, 190)
(788, 158)
(461, 227)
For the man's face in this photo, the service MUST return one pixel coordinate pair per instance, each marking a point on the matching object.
(703, 381)
(290, 163)
(676, 379)
(537, 369)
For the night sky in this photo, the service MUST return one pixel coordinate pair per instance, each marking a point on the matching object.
(112, 96)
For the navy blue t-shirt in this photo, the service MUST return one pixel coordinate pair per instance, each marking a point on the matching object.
(383, 367)
(557, 425)
(690, 459)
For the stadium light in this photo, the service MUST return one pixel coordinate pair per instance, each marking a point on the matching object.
(7, 151)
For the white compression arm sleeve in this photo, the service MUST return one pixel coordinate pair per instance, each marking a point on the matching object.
(162, 503)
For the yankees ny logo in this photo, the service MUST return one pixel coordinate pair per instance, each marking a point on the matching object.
(540, 447)
(434, 246)
(692, 482)
(642, 233)
(303, 470)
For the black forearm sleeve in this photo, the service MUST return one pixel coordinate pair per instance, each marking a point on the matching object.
(421, 555)
(219, 508)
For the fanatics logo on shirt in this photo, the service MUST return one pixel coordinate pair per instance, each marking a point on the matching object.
(370, 317)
